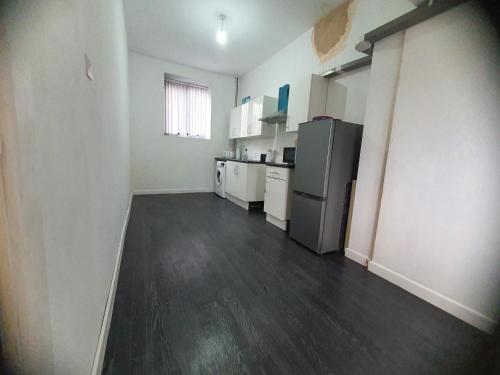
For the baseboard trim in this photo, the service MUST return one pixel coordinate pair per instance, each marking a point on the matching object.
(465, 313)
(108, 312)
(357, 256)
(277, 222)
(173, 191)
(238, 201)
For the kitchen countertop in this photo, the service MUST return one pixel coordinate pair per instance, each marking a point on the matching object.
(281, 165)
(240, 161)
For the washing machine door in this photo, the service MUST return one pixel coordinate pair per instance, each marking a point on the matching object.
(218, 177)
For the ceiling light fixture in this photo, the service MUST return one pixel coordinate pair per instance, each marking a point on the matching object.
(221, 35)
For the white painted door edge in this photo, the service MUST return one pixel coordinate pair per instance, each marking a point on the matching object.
(108, 312)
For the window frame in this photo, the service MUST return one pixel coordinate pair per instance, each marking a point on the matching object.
(167, 78)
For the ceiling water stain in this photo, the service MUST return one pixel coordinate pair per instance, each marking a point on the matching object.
(331, 31)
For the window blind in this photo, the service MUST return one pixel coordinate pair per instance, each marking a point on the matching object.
(187, 109)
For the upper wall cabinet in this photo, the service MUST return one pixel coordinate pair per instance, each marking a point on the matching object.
(307, 99)
(244, 121)
(235, 123)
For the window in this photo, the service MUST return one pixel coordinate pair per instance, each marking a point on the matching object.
(187, 109)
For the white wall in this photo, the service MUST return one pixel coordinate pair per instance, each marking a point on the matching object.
(164, 163)
(382, 91)
(438, 232)
(298, 59)
(66, 175)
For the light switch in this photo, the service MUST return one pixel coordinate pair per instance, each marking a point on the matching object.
(88, 68)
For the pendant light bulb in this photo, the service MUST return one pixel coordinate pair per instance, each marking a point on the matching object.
(221, 35)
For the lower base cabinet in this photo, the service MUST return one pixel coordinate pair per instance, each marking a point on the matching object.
(278, 196)
(245, 181)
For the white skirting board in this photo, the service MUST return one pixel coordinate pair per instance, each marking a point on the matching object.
(275, 221)
(108, 312)
(238, 201)
(173, 191)
(357, 256)
(465, 313)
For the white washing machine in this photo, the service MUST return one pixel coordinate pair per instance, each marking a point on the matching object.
(220, 179)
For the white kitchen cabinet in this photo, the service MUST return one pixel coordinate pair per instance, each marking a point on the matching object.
(244, 119)
(236, 179)
(278, 196)
(257, 108)
(245, 182)
(275, 199)
(307, 98)
(235, 123)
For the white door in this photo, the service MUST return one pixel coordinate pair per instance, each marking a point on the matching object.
(276, 198)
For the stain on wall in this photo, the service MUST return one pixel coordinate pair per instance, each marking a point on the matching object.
(331, 30)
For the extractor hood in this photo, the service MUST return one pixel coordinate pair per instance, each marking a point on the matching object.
(275, 118)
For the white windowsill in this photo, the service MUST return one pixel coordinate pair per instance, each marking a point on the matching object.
(186, 136)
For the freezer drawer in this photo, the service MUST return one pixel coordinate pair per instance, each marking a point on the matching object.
(306, 224)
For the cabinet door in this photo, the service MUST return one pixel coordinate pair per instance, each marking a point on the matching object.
(307, 99)
(231, 177)
(240, 190)
(249, 115)
(276, 198)
(298, 103)
(256, 114)
(246, 126)
(256, 182)
(235, 123)
(317, 96)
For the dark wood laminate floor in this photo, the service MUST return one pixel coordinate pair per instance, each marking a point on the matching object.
(207, 288)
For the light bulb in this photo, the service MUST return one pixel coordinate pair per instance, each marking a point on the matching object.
(221, 37)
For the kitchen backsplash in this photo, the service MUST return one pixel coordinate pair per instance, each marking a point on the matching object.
(259, 146)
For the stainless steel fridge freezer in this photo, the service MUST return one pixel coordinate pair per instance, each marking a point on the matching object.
(326, 163)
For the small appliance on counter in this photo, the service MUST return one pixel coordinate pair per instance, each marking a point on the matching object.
(244, 155)
(289, 155)
(270, 156)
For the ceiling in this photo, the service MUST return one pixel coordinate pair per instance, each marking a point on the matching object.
(183, 31)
